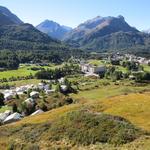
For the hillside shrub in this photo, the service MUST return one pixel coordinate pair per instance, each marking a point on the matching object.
(85, 128)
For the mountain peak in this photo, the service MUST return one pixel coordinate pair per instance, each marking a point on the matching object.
(53, 29)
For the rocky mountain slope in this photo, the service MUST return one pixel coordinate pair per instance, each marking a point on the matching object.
(105, 34)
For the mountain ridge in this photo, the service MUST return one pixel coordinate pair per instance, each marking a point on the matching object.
(104, 34)
(7, 14)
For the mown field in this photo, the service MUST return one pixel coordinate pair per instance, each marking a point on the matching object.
(24, 70)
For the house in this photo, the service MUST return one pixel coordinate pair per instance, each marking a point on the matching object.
(91, 69)
(61, 80)
(4, 115)
(41, 86)
(12, 118)
(39, 111)
(30, 101)
(46, 87)
(8, 96)
(20, 90)
(64, 88)
(34, 94)
(85, 68)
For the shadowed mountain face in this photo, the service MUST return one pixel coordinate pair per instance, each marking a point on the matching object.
(7, 17)
(25, 37)
(106, 33)
(53, 29)
(23, 32)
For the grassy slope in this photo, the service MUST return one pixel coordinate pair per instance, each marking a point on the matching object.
(134, 107)
(108, 91)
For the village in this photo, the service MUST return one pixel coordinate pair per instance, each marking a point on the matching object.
(49, 87)
(34, 95)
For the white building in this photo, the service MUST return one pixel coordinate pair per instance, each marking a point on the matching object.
(91, 69)
(30, 101)
(34, 94)
(64, 88)
(12, 118)
(8, 96)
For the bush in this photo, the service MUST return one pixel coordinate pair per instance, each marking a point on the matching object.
(85, 128)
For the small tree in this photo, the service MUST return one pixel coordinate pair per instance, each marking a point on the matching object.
(28, 92)
(1, 99)
(14, 107)
(17, 96)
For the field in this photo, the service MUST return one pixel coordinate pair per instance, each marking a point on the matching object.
(24, 70)
(22, 82)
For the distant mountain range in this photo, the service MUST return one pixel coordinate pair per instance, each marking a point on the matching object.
(53, 29)
(102, 34)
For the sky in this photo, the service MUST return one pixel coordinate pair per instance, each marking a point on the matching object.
(74, 12)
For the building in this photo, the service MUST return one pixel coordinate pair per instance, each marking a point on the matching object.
(91, 69)
(34, 94)
(12, 118)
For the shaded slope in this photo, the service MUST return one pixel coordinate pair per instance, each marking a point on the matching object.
(9, 16)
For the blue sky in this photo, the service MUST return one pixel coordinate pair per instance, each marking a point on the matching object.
(73, 12)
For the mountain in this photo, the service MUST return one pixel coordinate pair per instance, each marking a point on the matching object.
(16, 35)
(25, 37)
(53, 29)
(106, 33)
(7, 17)
(24, 32)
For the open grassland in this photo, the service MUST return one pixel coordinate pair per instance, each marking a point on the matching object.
(25, 70)
(134, 107)
(98, 90)
(22, 82)
(96, 62)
